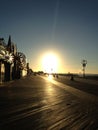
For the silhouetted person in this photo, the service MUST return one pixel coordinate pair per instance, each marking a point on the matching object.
(72, 77)
(57, 76)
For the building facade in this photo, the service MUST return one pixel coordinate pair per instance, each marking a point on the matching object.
(12, 63)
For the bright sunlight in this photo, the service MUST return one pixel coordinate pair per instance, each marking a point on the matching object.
(50, 63)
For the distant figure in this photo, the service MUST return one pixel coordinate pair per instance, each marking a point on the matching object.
(54, 75)
(72, 77)
(57, 76)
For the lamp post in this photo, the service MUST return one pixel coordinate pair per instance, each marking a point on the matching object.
(84, 62)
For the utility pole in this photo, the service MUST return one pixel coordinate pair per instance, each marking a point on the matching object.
(84, 62)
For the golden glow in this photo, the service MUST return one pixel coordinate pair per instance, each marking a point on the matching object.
(50, 77)
(50, 63)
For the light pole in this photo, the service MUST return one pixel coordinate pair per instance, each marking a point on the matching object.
(84, 62)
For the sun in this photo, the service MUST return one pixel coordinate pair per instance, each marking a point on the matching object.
(50, 63)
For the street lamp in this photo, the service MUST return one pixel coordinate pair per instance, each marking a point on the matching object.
(84, 62)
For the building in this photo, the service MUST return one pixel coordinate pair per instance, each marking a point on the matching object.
(12, 63)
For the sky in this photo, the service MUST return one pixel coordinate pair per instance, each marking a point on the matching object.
(66, 28)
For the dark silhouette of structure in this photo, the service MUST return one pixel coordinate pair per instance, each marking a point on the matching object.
(12, 63)
(84, 62)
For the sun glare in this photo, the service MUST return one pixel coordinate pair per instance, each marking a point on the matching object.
(50, 63)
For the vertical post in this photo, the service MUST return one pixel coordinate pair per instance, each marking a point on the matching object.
(84, 62)
(27, 68)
